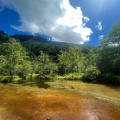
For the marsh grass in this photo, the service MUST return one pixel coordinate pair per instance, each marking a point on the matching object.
(74, 76)
(106, 93)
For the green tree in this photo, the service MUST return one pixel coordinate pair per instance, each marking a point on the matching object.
(91, 70)
(71, 61)
(3, 68)
(24, 69)
(15, 54)
(47, 68)
(75, 60)
(109, 54)
(63, 63)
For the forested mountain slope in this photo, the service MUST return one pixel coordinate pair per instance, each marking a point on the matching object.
(38, 43)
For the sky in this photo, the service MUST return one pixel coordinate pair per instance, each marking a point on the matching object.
(71, 21)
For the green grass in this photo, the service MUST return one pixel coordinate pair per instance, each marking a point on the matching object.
(101, 92)
(73, 76)
(8, 78)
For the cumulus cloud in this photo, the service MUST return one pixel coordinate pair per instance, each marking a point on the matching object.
(99, 26)
(101, 37)
(56, 18)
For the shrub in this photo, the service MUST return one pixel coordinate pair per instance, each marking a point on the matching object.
(74, 76)
(5, 79)
(91, 74)
(109, 79)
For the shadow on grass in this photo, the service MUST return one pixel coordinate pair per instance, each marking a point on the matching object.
(115, 87)
(42, 84)
(39, 83)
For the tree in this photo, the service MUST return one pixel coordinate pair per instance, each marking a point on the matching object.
(15, 54)
(109, 54)
(47, 68)
(114, 34)
(75, 60)
(91, 70)
(24, 69)
(63, 63)
(3, 68)
(71, 61)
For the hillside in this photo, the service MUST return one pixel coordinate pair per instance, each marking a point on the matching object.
(3, 36)
(35, 44)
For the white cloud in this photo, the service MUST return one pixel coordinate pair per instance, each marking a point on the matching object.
(101, 37)
(99, 26)
(56, 18)
(110, 44)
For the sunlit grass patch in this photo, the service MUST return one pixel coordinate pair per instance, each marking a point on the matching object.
(74, 76)
(101, 92)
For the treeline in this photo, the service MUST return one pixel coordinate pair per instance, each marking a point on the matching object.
(15, 60)
(23, 55)
(35, 44)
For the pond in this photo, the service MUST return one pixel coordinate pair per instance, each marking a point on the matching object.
(60, 101)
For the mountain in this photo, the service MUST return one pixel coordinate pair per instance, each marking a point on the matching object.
(24, 38)
(35, 44)
(3, 36)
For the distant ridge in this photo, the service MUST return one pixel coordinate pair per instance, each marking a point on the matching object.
(3, 36)
(34, 44)
(24, 38)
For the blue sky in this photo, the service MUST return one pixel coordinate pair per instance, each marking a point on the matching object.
(73, 21)
(105, 11)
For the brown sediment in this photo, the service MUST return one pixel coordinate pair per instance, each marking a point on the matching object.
(18, 103)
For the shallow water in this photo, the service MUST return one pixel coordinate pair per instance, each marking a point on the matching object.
(19, 102)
